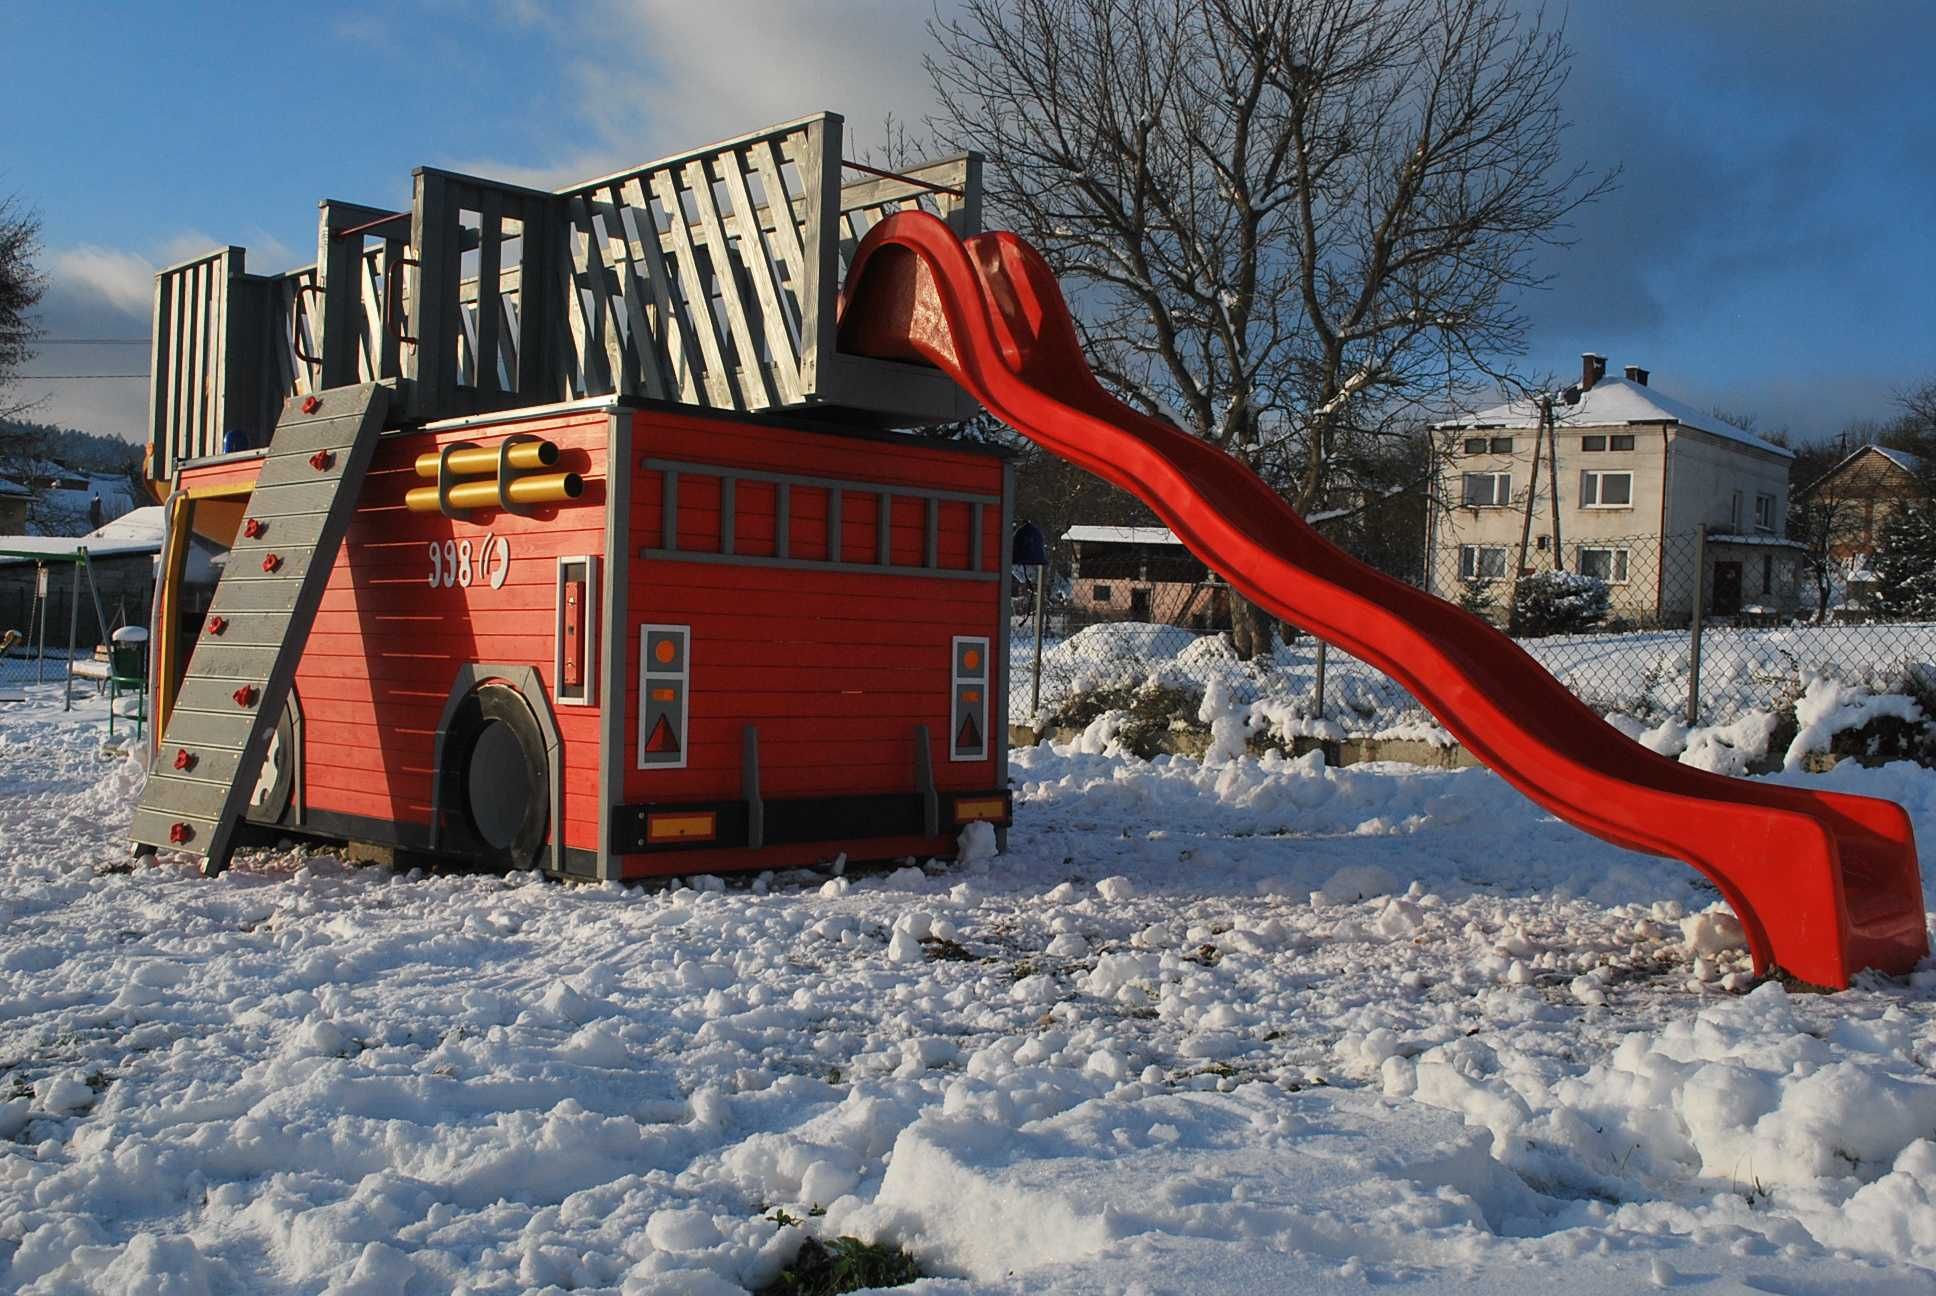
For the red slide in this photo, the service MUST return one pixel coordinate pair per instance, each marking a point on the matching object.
(1825, 884)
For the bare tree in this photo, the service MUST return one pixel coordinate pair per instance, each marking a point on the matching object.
(1284, 222)
(20, 289)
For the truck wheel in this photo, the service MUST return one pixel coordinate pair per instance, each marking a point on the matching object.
(501, 777)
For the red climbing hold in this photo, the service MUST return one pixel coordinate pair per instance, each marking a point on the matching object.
(216, 625)
(321, 460)
(311, 404)
(184, 759)
(179, 833)
(252, 527)
(271, 562)
(244, 695)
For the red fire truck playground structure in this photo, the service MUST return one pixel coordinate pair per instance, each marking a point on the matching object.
(564, 534)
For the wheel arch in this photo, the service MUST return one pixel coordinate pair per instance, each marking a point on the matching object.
(524, 681)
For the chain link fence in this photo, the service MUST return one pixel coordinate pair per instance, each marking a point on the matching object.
(1615, 621)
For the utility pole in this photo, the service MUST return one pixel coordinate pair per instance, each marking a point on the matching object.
(1552, 474)
(1526, 523)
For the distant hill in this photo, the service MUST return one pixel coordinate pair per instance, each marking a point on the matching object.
(71, 448)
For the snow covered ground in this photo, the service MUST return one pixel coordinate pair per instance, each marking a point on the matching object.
(1253, 1027)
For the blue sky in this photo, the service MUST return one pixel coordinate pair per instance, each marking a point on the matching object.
(1769, 247)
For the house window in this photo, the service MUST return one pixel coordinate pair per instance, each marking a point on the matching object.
(1609, 565)
(1487, 490)
(1103, 593)
(1606, 490)
(1764, 512)
(1482, 562)
(1488, 445)
(1600, 441)
(1734, 512)
(1767, 573)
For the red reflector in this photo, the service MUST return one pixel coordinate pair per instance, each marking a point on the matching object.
(969, 737)
(662, 738)
(697, 826)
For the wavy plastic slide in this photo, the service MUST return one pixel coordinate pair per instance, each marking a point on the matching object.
(1825, 884)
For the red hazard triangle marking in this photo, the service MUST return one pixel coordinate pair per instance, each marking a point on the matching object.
(969, 736)
(662, 738)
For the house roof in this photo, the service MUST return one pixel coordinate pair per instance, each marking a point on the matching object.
(131, 533)
(12, 488)
(1614, 402)
(1913, 464)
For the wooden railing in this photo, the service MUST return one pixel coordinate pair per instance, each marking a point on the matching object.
(709, 278)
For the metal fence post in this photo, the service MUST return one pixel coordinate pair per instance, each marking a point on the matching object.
(1694, 626)
(1042, 575)
(42, 596)
(1317, 689)
(73, 627)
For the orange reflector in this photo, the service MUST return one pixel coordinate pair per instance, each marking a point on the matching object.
(681, 827)
(662, 695)
(981, 808)
(971, 695)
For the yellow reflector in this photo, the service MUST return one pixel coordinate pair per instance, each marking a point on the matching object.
(981, 808)
(681, 827)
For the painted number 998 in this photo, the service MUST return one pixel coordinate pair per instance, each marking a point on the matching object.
(454, 562)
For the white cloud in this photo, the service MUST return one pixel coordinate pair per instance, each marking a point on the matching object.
(122, 280)
(664, 77)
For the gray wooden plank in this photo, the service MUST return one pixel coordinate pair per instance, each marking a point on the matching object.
(699, 182)
(254, 596)
(816, 154)
(291, 500)
(231, 730)
(184, 797)
(221, 657)
(673, 331)
(719, 388)
(645, 365)
(490, 251)
(764, 274)
(280, 534)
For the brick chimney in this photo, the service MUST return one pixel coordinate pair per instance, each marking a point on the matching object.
(1635, 374)
(1592, 369)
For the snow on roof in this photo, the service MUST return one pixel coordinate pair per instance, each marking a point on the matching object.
(1162, 535)
(1122, 535)
(131, 533)
(1910, 463)
(12, 488)
(1615, 402)
(1737, 538)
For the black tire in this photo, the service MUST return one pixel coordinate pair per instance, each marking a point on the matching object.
(497, 779)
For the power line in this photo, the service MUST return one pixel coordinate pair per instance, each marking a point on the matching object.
(92, 341)
(27, 378)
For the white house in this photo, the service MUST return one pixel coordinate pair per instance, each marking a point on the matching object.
(1639, 473)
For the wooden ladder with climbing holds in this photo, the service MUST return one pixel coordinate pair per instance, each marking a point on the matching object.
(244, 662)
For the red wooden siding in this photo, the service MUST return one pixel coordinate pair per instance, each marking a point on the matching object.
(834, 667)
(386, 645)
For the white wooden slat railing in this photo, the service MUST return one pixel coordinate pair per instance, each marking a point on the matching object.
(709, 278)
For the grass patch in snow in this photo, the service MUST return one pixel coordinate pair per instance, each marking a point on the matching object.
(845, 1264)
(1149, 712)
